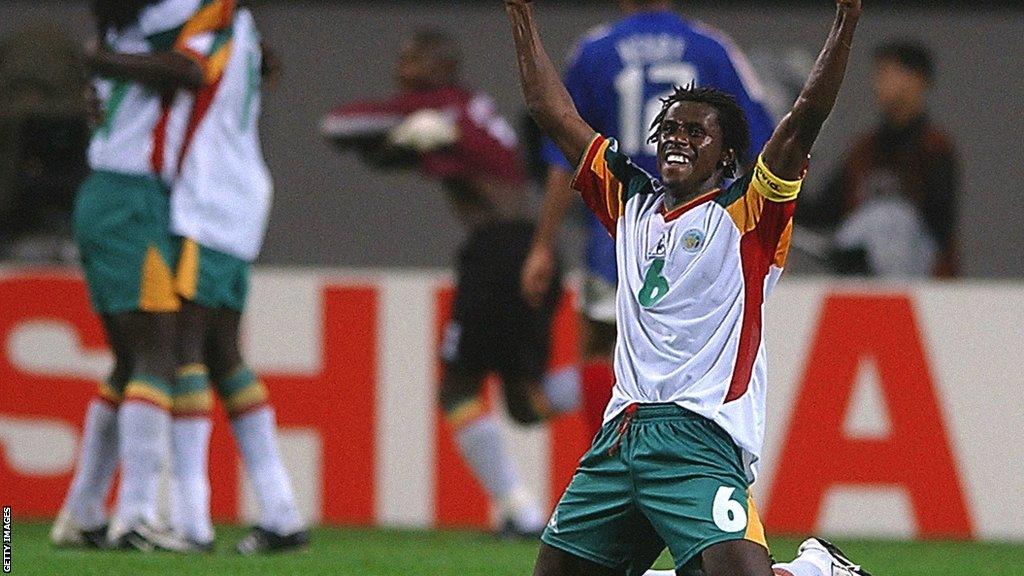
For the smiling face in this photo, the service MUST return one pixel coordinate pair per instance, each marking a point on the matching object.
(690, 149)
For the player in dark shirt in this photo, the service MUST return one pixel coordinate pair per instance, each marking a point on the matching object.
(454, 135)
(894, 203)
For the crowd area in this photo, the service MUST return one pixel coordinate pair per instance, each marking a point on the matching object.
(891, 209)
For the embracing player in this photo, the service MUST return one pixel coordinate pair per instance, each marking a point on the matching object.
(220, 203)
(127, 253)
(683, 432)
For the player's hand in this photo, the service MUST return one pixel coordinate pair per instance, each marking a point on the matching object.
(91, 50)
(270, 65)
(538, 270)
(93, 107)
(849, 6)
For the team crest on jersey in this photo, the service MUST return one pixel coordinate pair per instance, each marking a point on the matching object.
(693, 240)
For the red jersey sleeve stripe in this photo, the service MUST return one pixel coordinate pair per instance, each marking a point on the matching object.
(760, 247)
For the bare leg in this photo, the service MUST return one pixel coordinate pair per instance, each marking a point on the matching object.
(254, 425)
(554, 562)
(144, 415)
(191, 429)
(98, 455)
(221, 349)
(736, 558)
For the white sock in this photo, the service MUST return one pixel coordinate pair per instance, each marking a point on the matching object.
(483, 449)
(798, 567)
(190, 442)
(97, 460)
(144, 444)
(562, 389)
(521, 507)
(256, 435)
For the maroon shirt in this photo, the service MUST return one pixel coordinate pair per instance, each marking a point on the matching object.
(486, 147)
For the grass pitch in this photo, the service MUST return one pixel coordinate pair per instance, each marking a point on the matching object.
(365, 552)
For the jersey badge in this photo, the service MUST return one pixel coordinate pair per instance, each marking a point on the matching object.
(693, 240)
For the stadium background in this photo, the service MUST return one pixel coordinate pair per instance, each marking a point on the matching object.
(329, 209)
(923, 390)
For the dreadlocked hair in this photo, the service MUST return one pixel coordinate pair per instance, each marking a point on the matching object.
(731, 119)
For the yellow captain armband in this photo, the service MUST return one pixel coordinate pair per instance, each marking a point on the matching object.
(771, 186)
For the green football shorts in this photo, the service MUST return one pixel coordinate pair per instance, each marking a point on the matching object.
(121, 224)
(211, 278)
(655, 475)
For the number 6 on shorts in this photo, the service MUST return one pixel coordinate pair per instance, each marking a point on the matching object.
(729, 515)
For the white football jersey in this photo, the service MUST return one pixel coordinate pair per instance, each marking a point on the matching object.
(132, 137)
(222, 192)
(691, 292)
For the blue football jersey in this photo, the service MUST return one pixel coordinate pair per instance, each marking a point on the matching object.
(618, 75)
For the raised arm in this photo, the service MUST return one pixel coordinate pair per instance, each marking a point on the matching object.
(546, 97)
(161, 71)
(786, 151)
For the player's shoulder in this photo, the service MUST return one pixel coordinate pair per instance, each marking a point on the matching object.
(472, 100)
(479, 105)
(597, 35)
(624, 168)
(167, 15)
(936, 141)
(736, 190)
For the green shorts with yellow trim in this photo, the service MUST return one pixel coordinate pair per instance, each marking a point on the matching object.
(657, 475)
(210, 277)
(121, 225)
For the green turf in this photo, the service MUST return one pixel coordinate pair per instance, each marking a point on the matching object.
(414, 553)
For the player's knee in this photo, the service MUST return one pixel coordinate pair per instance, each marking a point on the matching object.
(221, 366)
(222, 360)
(459, 395)
(448, 401)
(190, 347)
(523, 411)
(160, 364)
(122, 371)
(459, 406)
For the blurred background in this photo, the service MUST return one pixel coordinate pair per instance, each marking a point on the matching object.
(906, 392)
(329, 208)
